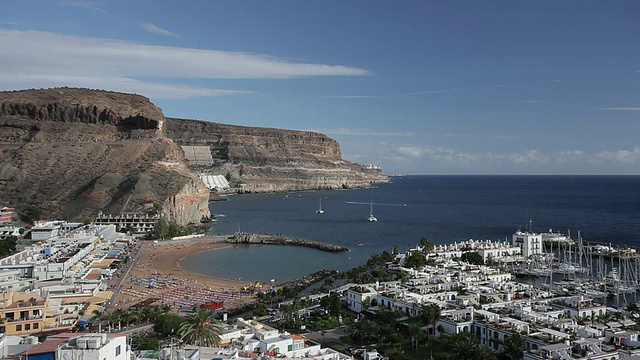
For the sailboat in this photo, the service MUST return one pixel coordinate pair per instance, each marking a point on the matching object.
(371, 217)
(320, 211)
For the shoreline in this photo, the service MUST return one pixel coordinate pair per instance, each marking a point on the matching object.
(158, 273)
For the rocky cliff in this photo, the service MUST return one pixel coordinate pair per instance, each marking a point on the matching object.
(263, 159)
(72, 152)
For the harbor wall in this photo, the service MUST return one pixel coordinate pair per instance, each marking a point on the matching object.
(277, 239)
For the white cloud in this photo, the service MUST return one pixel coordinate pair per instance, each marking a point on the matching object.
(531, 101)
(529, 156)
(38, 57)
(623, 156)
(22, 51)
(432, 92)
(439, 159)
(630, 108)
(350, 96)
(570, 155)
(362, 132)
(150, 89)
(154, 29)
(412, 151)
(86, 4)
(439, 154)
(506, 137)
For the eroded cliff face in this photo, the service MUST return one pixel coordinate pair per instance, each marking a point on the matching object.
(73, 152)
(264, 159)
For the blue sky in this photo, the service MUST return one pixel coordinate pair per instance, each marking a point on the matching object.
(418, 87)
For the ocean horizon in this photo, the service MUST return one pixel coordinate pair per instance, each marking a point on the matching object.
(442, 208)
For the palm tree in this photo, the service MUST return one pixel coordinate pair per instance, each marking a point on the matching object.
(431, 315)
(513, 347)
(415, 331)
(201, 328)
(109, 318)
(483, 353)
(118, 315)
(97, 316)
(464, 346)
(618, 316)
(605, 318)
(361, 330)
(146, 314)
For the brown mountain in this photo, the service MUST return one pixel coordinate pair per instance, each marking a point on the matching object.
(73, 152)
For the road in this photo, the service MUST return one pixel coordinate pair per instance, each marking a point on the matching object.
(331, 338)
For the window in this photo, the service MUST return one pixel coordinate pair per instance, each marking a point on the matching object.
(18, 327)
(27, 326)
(36, 325)
(118, 350)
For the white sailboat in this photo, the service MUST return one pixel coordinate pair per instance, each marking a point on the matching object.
(371, 217)
(320, 211)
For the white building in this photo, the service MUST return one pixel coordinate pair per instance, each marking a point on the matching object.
(9, 231)
(529, 242)
(95, 347)
(359, 295)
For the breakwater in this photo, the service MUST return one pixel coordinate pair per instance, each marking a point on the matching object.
(277, 239)
(305, 281)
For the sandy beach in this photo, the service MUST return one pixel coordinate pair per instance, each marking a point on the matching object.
(157, 274)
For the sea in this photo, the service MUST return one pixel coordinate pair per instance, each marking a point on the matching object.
(444, 209)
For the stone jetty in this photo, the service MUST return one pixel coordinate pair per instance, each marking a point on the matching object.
(305, 281)
(277, 239)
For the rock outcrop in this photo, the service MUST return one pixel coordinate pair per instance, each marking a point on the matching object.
(73, 152)
(264, 160)
(277, 239)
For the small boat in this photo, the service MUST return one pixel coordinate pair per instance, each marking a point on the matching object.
(320, 211)
(371, 217)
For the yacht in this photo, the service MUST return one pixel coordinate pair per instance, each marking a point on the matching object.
(320, 211)
(371, 217)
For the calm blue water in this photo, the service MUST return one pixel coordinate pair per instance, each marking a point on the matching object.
(442, 208)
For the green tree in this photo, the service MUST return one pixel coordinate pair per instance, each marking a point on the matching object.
(430, 315)
(97, 315)
(605, 318)
(618, 316)
(427, 245)
(463, 346)
(415, 260)
(395, 339)
(8, 246)
(483, 353)
(513, 347)
(201, 328)
(161, 229)
(473, 258)
(361, 330)
(168, 324)
(416, 333)
(332, 304)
